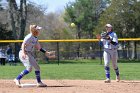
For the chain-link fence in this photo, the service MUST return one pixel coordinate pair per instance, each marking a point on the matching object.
(92, 50)
(69, 50)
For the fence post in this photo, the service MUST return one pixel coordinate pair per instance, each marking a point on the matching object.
(16, 54)
(100, 55)
(58, 56)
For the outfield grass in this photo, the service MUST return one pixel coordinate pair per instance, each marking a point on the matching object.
(76, 69)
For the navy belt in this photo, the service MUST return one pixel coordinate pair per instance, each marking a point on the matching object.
(112, 49)
(26, 51)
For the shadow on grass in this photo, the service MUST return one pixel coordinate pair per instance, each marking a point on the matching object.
(82, 61)
(71, 62)
(128, 61)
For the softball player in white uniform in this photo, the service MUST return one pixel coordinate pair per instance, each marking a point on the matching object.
(110, 44)
(27, 57)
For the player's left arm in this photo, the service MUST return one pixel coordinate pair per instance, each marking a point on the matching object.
(49, 54)
(39, 48)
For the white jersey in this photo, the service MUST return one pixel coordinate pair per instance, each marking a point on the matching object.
(30, 42)
(107, 44)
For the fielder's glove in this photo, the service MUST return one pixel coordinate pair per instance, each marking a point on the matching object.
(105, 35)
(98, 36)
(50, 54)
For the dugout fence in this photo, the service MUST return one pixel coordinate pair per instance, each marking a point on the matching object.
(128, 49)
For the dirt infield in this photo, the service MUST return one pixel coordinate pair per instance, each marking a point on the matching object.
(71, 86)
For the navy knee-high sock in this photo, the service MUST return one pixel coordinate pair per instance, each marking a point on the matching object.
(23, 73)
(37, 73)
(117, 71)
(107, 70)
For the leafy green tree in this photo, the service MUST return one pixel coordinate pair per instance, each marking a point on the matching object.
(85, 14)
(124, 16)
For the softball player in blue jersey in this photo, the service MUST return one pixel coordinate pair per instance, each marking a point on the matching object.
(110, 44)
(27, 57)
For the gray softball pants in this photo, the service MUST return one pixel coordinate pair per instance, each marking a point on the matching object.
(29, 61)
(110, 55)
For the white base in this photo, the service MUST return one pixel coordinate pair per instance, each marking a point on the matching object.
(28, 85)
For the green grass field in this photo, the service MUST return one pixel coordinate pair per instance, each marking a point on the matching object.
(76, 69)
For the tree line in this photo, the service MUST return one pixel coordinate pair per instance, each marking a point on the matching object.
(89, 16)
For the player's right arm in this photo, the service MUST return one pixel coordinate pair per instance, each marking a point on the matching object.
(24, 44)
(23, 50)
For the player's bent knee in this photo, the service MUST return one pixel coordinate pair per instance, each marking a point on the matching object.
(115, 67)
(29, 69)
(106, 65)
(37, 68)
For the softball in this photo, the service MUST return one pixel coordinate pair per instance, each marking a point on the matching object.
(72, 25)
